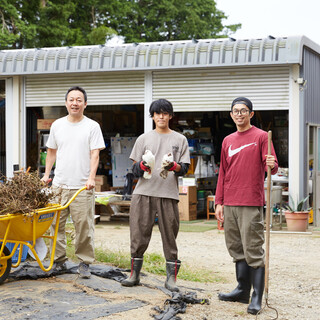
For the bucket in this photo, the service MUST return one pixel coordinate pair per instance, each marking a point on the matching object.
(43, 156)
(201, 194)
(15, 257)
(201, 197)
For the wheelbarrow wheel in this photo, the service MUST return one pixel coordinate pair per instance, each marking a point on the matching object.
(5, 265)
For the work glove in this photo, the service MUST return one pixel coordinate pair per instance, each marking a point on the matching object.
(167, 164)
(144, 166)
(147, 164)
(171, 166)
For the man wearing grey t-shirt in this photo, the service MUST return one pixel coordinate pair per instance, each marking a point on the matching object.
(157, 195)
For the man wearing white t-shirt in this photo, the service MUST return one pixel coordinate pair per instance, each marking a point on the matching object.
(74, 144)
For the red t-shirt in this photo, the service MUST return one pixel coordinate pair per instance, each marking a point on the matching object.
(242, 168)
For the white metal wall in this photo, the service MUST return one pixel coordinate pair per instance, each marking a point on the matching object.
(102, 88)
(214, 89)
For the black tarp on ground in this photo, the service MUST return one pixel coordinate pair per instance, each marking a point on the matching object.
(33, 271)
(41, 300)
(59, 303)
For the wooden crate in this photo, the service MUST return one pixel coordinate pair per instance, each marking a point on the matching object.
(44, 124)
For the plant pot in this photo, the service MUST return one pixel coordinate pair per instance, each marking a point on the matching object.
(297, 221)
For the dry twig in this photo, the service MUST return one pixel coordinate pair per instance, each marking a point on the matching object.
(24, 193)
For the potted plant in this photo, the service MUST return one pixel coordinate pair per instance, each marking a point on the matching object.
(297, 216)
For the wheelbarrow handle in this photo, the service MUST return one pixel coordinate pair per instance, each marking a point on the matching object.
(73, 197)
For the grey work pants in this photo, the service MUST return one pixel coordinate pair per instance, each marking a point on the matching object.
(143, 211)
(244, 234)
(81, 211)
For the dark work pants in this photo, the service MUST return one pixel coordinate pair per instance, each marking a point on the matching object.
(143, 211)
(244, 234)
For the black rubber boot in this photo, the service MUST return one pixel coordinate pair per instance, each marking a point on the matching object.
(134, 279)
(242, 292)
(172, 271)
(257, 278)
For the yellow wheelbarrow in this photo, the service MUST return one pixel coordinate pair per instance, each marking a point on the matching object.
(21, 229)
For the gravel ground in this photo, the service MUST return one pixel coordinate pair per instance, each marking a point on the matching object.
(294, 285)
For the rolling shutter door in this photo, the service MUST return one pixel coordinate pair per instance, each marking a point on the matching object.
(102, 88)
(214, 89)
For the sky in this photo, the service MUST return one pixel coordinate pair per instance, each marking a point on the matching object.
(278, 18)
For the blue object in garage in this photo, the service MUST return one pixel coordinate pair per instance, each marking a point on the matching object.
(15, 257)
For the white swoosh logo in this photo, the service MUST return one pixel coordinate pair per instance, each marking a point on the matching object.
(235, 151)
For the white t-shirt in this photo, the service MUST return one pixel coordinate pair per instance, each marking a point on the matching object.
(73, 142)
(160, 144)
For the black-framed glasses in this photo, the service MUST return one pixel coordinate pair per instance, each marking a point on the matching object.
(242, 111)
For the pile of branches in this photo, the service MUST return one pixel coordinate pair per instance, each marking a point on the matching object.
(23, 193)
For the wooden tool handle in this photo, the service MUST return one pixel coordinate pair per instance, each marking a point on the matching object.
(268, 212)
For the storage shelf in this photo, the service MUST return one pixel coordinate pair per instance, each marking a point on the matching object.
(41, 148)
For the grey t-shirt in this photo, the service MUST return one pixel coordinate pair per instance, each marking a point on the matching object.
(160, 144)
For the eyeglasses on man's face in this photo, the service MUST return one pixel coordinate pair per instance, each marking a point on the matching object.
(242, 111)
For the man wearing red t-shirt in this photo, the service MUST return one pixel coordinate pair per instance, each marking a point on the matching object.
(239, 202)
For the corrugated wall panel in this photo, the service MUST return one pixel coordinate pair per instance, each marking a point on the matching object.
(214, 89)
(102, 88)
(311, 73)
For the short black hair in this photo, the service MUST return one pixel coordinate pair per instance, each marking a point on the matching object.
(159, 106)
(77, 89)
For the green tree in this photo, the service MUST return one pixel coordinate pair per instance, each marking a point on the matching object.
(47, 23)
(89, 22)
(53, 26)
(50, 23)
(158, 20)
(17, 20)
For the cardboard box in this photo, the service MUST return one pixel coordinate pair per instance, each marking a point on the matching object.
(187, 203)
(187, 212)
(204, 132)
(190, 192)
(101, 180)
(100, 188)
(44, 124)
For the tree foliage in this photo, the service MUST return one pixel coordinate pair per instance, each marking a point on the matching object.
(158, 20)
(47, 23)
(17, 23)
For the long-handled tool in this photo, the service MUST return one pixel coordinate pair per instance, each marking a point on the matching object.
(267, 242)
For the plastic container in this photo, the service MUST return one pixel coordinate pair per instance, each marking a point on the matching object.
(205, 148)
(14, 258)
(45, 138)
(43, 156)
(201, 198)
(193, 145)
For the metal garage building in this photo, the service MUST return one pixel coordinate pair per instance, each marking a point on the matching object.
(205, 75)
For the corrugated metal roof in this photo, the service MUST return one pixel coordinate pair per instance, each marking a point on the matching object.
(156, 55)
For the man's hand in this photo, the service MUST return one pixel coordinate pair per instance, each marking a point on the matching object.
(45, 179)
(90, 184)
(171, 166)
(145, 167)
(270, 161)
(219, 212)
